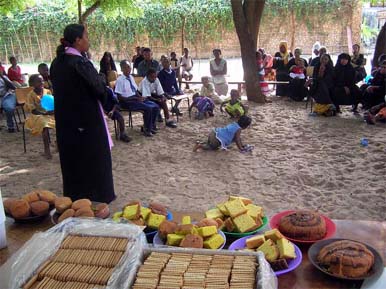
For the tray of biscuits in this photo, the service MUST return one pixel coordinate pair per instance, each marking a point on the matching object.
(197, 268)
(77, 253)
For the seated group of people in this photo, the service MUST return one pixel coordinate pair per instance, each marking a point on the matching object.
(330, 86)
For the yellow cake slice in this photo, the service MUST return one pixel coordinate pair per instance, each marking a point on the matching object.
(132, 212)
(245, 201)
(174, 239)
(235, 208)
(214, 242)
(273, 234)
(214, 214)
(207, 231)
(145, 212)
(186, 220)
(244, 223)
(270, 250)
(223, 209)
(154, 220)
(255, 241)
(286, 249)
(255, 211)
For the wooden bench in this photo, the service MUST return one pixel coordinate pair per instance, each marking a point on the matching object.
(239, 83)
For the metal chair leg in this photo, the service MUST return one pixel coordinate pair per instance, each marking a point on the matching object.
(24, 142)
(115, 129)
(130, 120)
(14, 118)
(18, 115)
(22, 109)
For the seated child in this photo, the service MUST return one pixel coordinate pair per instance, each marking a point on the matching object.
(111, 108)
(45, 73)
(14, 73)
(208, 90)
(151, 88)
(233, 106)
(222, 137)
(298, 70)
(376, 113)
(204, 105)
(40, 120)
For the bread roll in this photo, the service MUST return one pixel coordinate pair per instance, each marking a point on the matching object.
(192, 241)
(81, 203)
(102, 211)
(207, 222)
(84, 212)
(66, 214)
(31, 197)
(20, 209)
(138, 222)
(40, 208)
(47, 196)
(166, 227)
(62, 204)
(7, 203)
(157, 208)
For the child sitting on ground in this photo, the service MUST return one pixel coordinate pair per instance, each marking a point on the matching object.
(222, 137)
(298, 70)
(111, 108)
(208, 90)
(233, 106)
(376, 113)
(204, 106)
(40, 120)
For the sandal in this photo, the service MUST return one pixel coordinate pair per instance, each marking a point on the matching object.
(125, 138)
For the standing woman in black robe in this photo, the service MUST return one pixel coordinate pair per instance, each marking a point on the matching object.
(83, 139)
(280, 63)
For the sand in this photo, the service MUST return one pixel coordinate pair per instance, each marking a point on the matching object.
(298, 162)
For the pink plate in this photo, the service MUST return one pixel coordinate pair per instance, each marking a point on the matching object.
(330, 226)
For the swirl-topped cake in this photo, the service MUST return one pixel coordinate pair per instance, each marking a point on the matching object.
(303, 225)
(346, 258)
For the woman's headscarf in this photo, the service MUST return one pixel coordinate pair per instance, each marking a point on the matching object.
(284, 55)
(316, 46)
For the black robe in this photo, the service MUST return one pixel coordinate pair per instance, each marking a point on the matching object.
(281, 74)
(84, 151)
(344, 76)
(322, 87)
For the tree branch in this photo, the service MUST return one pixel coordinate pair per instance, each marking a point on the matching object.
(89, 11)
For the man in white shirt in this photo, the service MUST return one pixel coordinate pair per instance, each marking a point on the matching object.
(126, 90)
(151, 88)
(186, 63)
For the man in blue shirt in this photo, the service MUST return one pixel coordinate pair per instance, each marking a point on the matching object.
(147, 62)
(7, 100)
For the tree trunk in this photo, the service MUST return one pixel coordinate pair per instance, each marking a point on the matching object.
(183, 34)
(90, 10)
(246, 17)
(293, 30)
(380, 46)
(80, 11)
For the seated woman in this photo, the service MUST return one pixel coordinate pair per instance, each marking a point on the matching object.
(14, 73)
(297, 74)
(322, 87)
(374, 92)
(233, 106)
(40, 120)
(358, 61)
(108, 68)
(345, 90)
(280, 63)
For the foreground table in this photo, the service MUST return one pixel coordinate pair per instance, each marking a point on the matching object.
(305, 276)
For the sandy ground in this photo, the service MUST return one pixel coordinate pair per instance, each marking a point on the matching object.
(299, 161)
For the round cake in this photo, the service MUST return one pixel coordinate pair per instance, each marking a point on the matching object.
(303, 225)
(346, 259)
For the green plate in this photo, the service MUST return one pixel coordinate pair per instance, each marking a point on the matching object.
(240, 235)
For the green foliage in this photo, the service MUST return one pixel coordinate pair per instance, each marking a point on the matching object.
(368, 33)
(9, 6)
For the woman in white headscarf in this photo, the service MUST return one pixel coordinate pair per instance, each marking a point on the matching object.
(315, 53)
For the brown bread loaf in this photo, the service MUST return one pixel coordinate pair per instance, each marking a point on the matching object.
(81, 203)
(20, 209)
(66, 214)
(40, 208)
(62, 204)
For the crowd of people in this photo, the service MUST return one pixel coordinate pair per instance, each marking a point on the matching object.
(84, 97)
